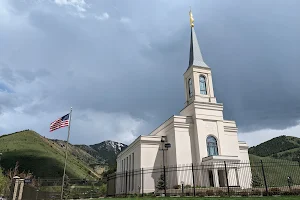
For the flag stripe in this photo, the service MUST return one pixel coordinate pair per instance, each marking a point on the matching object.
(59, 123)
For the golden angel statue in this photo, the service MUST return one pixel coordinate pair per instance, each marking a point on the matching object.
(191, 19)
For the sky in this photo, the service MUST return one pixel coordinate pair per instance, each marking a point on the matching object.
(120, 65)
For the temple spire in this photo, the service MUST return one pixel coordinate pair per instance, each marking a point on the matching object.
(195, 52)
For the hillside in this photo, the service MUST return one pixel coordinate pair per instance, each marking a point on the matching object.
(41, 156)
(282, 147)
(102, 154)
(276, 171)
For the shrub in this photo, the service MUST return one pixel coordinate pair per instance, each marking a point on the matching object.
(176, 186)
(188, 194)
(133, 195)
(232, 192)
(286, 193)
(200, 194)
(256, 192)
(3, 182)
(274, 191)
(187, 186)
(220, 193)
(295, 191)
(210, 193)
(244, 193)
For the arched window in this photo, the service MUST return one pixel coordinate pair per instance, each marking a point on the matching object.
(212, 146)
(202, 83)
(190, 83)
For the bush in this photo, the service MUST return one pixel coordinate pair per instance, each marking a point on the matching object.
(176, 186)
(286, 193)
(220, 193)
(256, 192)
(3, 183)
(244, 193)
(200, 194)
(210, 193)
(103, 189)
(295, 192)
(187, 186)
(274, 191)
(232, 192)
(188, 194)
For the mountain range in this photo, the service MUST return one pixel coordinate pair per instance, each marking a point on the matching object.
(44, 157)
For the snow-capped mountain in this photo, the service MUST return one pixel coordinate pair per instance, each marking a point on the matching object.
(104, 152)
(109, 145)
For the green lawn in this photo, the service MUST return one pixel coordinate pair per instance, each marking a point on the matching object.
(218, 198)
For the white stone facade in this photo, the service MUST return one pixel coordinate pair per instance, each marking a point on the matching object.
(188, 135)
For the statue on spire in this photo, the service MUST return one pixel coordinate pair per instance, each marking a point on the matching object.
(191, 18)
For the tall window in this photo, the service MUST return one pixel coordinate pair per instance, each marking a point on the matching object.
(202, 83)
(212, 146)
(190, 83)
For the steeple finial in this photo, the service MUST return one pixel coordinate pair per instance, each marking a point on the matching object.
(191, 18)
(195, 52)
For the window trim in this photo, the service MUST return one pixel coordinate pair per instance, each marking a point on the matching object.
(190, 88)
(205, 84)
(216, 146)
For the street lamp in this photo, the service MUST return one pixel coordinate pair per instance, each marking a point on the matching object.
(165, 146)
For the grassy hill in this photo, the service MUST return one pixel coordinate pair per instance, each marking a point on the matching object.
(276, 171)
(41, 156)
(282, 147)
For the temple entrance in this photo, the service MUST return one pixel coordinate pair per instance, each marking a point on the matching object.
(222, 178)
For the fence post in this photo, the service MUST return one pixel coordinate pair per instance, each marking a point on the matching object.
(264, 176)
(126, 173)
(142, 182)
(165, 182)
(21, 189)
(37, 189)
(193, 176)
(227, 182)
(107, 185)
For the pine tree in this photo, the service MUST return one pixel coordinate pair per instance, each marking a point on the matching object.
(161, 182)
(256, 181)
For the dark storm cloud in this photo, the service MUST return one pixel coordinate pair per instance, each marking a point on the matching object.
(133, 60)
(253, 51)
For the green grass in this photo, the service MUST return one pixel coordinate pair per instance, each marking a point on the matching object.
(218, 198)
(39, 155)
(276, 170)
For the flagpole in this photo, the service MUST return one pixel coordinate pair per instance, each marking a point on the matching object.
(66, 156)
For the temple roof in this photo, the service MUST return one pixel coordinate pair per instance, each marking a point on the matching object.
(195, 52)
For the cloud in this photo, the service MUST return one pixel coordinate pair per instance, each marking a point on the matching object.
(123, 81)
(102, 17)
(125, 20)
(257, 137)
(80, 5)
(11, 19)
(87, 126)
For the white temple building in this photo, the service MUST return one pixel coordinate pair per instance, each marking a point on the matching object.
(198, 135)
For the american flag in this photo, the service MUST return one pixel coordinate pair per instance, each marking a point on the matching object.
(59, 123)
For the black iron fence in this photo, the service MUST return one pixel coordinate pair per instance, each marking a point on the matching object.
(213, 179)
